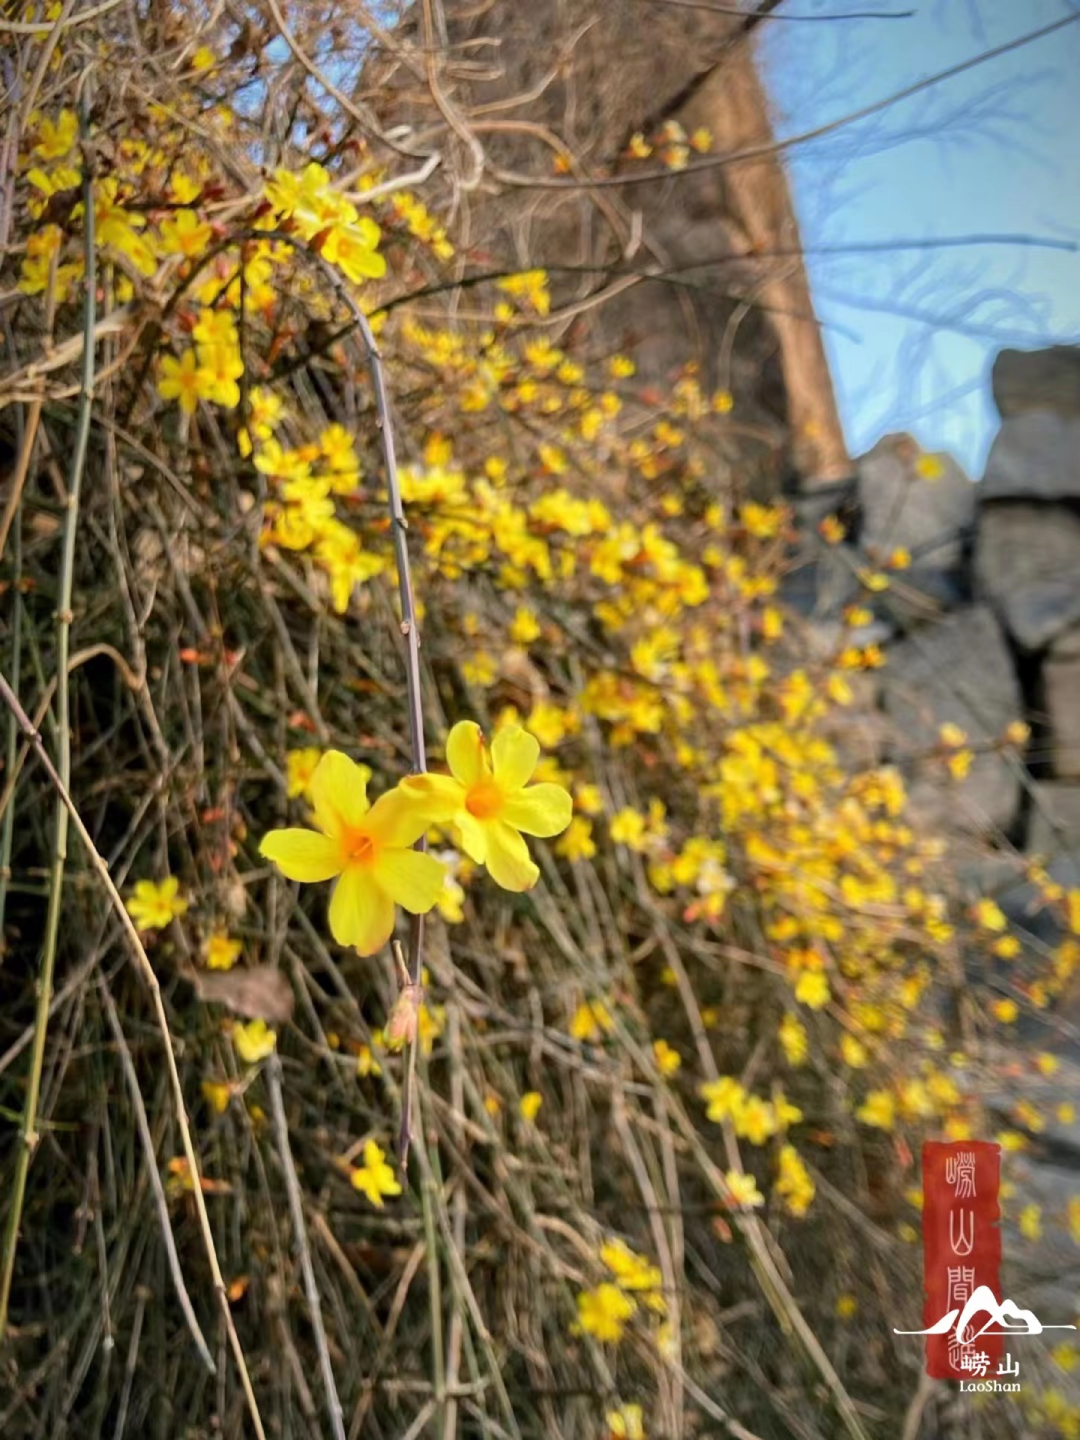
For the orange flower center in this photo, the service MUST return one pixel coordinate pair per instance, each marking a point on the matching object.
(484, 800)
(359, 848)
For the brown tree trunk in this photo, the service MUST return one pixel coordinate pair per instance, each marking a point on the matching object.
(731, 103)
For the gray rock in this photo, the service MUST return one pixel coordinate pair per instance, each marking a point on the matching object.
(1035, 456)
(1043, 1274)
(1027, 911)
(901, 510)
(1061, 701)
(810, 507)
(1054, 821)
(958, 671)
(821, 579)
(1037, 380)
(1027, 564)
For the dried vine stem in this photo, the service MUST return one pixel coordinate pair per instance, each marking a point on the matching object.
(160, 1201)
(410, 631)
(272, 1076)
(142, 962)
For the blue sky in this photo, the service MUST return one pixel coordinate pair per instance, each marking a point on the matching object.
(911, 335)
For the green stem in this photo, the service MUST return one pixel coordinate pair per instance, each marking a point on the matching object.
(28, 1135)
(7, 833)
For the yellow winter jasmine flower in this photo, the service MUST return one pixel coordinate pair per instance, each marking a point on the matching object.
(184, 380)
(530, 286)
(185, 234)
(352, 249)
(337, 448)
(154, 905)
(588, 798)
(755, 1120)
(603, 1312)
(852, 1051)
(489, 800)
(929, 467)
(366, 847)
(266, 410)
(254, 1040)
(591, 1022)
(812, 989)
(628, 828)
(786, 1113)
(301, 766)
(216, 327)
(879, 1109)
(793, 1183)
(220, 952)
(217, 1094)
(529, 1105)
(375, 1178)
(577, 843)
(524, 628)
(724, 1098)
(743, 1189)
(625, 1423)
(55, 139)
(366, 1064)
(632, 1271)
(989, 915)
(667, 1059)
(1030, 1222)
(793, 1039)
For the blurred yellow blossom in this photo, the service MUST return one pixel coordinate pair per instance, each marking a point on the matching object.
(375, 1178)
(254, 1041)
(155, 904)
(529, 1105)
(300, 767)
(603, 1312)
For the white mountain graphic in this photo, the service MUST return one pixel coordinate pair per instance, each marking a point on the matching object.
(1011, 1319)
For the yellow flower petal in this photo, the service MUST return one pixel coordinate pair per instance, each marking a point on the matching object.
(254, 1041)
(507, 859)
(514, 753)
(472, 836)
(539, 810)
(412, 879)
(302, 854)
(361, 913)
(465, 752)
(440, 796)
(396, 820)
(338, 792)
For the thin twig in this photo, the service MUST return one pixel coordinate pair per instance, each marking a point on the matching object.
(272, 1076)
(410, 630)
(142, 961)
(160, 1200)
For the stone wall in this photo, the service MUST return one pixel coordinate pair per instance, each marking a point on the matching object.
(981, 631)
(981, 618)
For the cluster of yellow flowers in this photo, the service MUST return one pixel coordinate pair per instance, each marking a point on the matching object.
(486, 802)
(612, 604)
(154, 905)
(605, 1310)
(302, 516)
